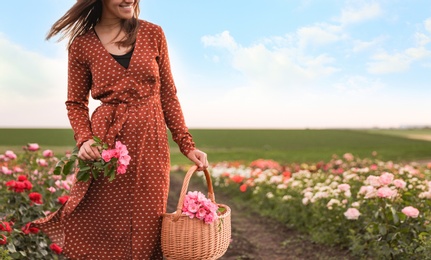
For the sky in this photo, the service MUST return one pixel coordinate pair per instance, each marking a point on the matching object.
(280, 64)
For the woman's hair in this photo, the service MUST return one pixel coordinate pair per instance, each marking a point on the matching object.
(84, 15)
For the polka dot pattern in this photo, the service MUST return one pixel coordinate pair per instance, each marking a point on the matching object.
(121, 219)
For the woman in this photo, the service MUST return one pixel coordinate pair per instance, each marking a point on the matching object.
(124, 62)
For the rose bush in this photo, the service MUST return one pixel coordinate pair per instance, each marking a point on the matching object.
(377, 209)
(29, 190)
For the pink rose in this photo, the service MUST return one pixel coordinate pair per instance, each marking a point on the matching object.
(33, 147)
(211, 217)
(399, 183)
(386, 192)
(42, 162)
(121, 149)
(51, 189)
(17, 169)
(121, 169)
(352, 213)
(6, 170)
(373, 181)
(124, 160)
(201, 213)
(9, 154)
(48, 153)
(410, 212)
(344, 187)
(107, 155)
(386, 178)
(193, 208)
(348, 157)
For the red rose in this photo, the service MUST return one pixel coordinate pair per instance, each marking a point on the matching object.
(5, 226)
(27, 229)
(3, 240)
(56, 248)
(35, 197)
(27, 185)
(22, 178)
(63, 199)
(243, 188)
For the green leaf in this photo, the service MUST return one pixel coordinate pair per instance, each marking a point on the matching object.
(97, 139)
(82, 176)
(68, 168)
(57, 171)
(11, 248)
(112, 177)
(395, 216)
(95, 174)
(382, 229)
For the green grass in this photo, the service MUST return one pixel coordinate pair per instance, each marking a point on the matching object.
(246, 145)
(402, 132)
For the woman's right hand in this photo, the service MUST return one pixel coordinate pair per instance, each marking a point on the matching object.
(88, 152)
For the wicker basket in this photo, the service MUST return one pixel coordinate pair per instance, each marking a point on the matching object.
(184, 238)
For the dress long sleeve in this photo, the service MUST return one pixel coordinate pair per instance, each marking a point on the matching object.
(170, 104)
(79, 85)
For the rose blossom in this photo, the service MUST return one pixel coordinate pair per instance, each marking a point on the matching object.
(57, 249)
(344, 187)
(373, 181)
(42, 162)
(386, 192)
(48, 153)
(3, 240)
(352, 213)
(63, 199)
(27, 229)
(35, 197)
(348, 157)
(10, 154)
(410, 212)
(5, 226)
(386, 178)
(400, 183)
(6, 170)
(33, 147)
(200, 214)
(51, 189)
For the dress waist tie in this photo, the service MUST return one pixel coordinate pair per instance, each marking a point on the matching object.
(121, 114)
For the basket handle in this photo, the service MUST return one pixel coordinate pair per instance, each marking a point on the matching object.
(185, 187)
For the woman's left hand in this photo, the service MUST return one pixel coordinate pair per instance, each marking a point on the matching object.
(199, 158)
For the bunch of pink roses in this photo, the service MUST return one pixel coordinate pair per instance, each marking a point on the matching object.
(113, 161)
(196, 205)
(121, 155)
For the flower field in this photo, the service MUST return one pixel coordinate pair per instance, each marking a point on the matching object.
(377, 209)
(29, 190)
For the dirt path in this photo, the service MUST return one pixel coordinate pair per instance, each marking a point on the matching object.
(258, 238)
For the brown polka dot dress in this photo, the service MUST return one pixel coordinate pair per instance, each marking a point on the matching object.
(121, 219)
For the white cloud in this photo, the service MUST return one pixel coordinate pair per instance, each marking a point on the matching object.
(318, 34)
(354, 85)
(358, 12)
(428, 25)
(385, 63)
(33, 87)
(359, 45)
(279, 67)
(222, 40)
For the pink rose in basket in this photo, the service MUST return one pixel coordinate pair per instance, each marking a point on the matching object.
(196, 205)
